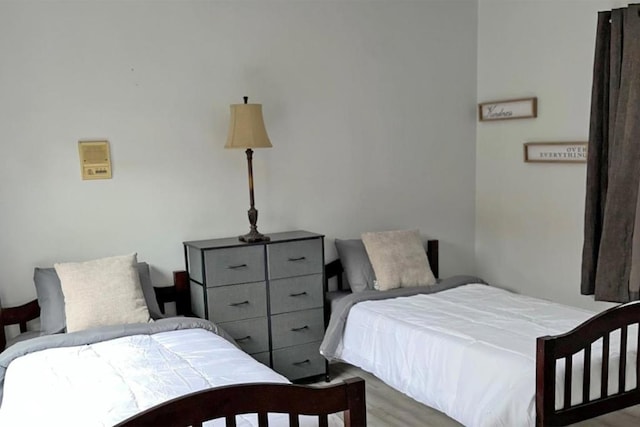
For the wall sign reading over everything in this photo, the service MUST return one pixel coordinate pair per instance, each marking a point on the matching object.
(524, 108)
(555, 152)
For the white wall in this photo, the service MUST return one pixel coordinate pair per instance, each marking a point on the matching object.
(529, 217)
(370, 107)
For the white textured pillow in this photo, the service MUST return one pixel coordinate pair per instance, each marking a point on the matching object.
(102, 292)
(398, 259)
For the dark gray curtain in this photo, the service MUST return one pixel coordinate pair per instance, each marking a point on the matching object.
(610, 266)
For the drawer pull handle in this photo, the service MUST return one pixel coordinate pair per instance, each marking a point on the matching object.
(235, 267)
(302, 258)
(247, 338)
(299, 294)
(300, 329)
(235, 304)
(304, 362)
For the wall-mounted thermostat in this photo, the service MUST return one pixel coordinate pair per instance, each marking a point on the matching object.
(95, 160)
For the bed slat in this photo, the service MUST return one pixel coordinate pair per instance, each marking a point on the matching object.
(263, 419)
(230, 421)
(323, 421)
(604, 377)
(623, 359)
(568, 368)
(293, 420)
(586, 374)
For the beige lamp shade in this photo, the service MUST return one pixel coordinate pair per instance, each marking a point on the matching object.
(246, 128)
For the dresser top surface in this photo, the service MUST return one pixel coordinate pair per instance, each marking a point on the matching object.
(234, 242)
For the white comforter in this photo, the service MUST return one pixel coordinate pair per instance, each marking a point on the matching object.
(468, 352)
(104, 383)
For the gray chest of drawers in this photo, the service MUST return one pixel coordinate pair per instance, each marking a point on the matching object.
(267, 295)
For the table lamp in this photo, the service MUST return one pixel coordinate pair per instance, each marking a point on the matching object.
(246, 130)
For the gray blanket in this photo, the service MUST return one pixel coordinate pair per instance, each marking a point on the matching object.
(101, 334)
(333, 336)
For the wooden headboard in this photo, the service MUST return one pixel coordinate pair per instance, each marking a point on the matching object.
(334, 268)
(20, 315)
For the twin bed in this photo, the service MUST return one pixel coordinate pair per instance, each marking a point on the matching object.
(173, 371)
(484, 356)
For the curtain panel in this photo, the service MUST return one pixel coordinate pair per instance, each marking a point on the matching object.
(611, 249)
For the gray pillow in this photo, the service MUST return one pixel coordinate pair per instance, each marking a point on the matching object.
(51, 298)
(148, 291)
(356, 264)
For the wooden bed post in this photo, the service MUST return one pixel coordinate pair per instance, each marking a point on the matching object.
(178, 293)
(357, 413)
(183, 300)
(545, 380)
(433, 251)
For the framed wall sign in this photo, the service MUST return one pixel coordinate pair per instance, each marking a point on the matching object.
(555, 152)
(524, 108)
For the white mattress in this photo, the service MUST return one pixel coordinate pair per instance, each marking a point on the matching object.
(468, 352)
(105, 383)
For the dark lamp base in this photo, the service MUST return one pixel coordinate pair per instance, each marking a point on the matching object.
(253, 237)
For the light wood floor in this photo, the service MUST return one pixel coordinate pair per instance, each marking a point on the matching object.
(387, 407)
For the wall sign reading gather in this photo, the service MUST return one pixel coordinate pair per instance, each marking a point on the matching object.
(524, 108)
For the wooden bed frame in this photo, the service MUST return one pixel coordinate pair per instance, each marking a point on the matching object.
(259, 398)
(549, 349)
(256, 398)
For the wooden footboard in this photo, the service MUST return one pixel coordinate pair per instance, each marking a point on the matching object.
(261, 399)
(551, 349)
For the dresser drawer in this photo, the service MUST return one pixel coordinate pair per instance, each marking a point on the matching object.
(234, 265)
(237, 302)
(295, 328)
(252, 335)
(296, 293)
(300, 361)
(295, 258)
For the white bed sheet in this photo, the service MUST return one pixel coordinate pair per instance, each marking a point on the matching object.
(105, 383)
(468, 352)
